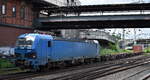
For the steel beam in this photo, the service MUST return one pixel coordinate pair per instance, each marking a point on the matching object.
(89, 22)
(97, 8)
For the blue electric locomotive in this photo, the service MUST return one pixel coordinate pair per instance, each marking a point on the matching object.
(40, 50)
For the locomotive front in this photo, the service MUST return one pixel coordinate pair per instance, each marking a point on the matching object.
(24, 51)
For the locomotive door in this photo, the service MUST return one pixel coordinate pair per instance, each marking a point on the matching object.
(42, 49)
(49, 49)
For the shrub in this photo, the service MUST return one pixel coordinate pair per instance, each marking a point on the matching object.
(147, 50)
(4, 63)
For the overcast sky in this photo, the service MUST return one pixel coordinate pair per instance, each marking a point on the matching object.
(141, 33)
(91, 2)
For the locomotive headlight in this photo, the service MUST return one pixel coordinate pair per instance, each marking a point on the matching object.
(33, 55)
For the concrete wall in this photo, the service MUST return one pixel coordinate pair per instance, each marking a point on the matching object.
(98, 35)
(70, 33)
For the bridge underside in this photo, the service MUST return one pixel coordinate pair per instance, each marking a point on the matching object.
(104, 43)
(97, 8)
(99, 22)
(96, 24)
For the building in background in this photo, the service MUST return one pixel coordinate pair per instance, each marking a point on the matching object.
(17, 16)
(129, 43)
(144, 42)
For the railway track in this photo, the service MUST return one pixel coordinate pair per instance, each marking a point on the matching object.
(146, 78)
(101, 72)
(9, 69)
(92, 69)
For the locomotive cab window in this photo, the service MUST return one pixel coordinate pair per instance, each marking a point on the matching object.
(25, 42)
(49, 44)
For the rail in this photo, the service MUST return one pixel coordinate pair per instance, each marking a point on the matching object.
(102, 71)
(101, 65)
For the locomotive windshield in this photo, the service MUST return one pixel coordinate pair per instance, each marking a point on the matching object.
(23, 43)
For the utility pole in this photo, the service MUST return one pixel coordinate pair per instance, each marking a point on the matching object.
(141, 11)
(134, 36)
(123, 38)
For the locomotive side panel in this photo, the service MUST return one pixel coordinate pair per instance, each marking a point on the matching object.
(68, 50)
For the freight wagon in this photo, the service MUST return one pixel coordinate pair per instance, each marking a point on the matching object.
(38, 51)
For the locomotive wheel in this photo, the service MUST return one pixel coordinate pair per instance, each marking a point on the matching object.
(62, 65)
(43, 68)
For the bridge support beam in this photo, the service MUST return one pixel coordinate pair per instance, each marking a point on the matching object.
(90, 22)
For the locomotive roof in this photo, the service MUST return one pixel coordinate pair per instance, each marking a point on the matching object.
(45, 36)
(75, 40)
(36, 35)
